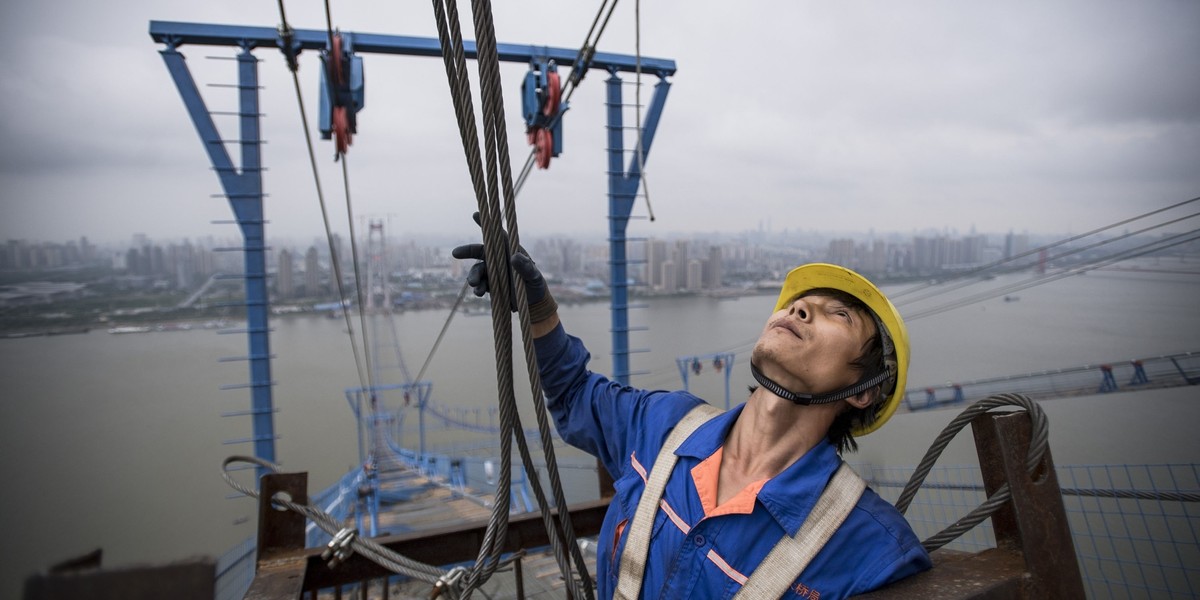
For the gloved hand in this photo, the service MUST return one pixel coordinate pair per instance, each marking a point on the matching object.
(541, 304)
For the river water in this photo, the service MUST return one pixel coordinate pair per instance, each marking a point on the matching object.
(114, 441)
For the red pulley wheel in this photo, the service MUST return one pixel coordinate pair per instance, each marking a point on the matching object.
(545, 146)
(553, 94)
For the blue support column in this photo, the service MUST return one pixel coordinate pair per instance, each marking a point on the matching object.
(622, 191)
(248, 208)
(244, 191)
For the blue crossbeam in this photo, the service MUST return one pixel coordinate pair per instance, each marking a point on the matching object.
(177, 34)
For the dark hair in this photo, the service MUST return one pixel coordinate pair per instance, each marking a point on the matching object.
(870, 359)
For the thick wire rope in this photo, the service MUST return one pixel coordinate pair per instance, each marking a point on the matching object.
(494, 250)
(487, 197)
(583, 57)
(450, 38)
(588, 49)
(491, 88)
(326, 522)
(363, 377)
(1039, 441)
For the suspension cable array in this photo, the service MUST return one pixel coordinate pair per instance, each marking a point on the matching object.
(1038, 250)
(361, 361)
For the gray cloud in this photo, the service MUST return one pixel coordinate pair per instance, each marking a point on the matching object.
(849, 115)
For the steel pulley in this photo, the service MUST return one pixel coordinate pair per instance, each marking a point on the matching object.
(342, 93)
(542, 107)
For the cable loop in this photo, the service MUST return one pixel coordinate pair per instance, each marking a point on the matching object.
(1039, 441)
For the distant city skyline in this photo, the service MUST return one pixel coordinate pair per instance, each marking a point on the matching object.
(873, 252)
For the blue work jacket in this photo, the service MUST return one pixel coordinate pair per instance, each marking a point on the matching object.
(694, 554)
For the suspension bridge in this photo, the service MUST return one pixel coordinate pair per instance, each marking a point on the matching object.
(390, 472)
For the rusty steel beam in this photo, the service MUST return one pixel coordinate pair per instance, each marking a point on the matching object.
(993, 574)
(278, 570)
(286, 569)
(1035, 554)
(1034, 522)
(449, 545)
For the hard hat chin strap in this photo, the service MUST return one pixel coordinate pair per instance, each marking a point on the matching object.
(807, 399)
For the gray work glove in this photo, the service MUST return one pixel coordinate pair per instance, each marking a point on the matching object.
(541, 304)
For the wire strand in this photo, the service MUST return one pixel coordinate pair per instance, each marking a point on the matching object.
(333, 258)
(358, 280)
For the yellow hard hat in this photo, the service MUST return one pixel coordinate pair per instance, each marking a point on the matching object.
(822, 275)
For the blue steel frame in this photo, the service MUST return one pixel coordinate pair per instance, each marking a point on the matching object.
(685, 363)
(244, 188)
(622, 192)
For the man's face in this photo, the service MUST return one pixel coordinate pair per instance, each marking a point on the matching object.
(808, 345)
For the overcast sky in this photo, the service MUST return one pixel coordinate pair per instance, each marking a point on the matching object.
(1030, 116)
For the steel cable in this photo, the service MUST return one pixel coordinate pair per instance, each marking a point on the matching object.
(450, 38)
(1105, 261)
(358, 281)
(1062, 255)
(363, 377)
(1037, 250)
(487, 195)
(462, 293)
(491, 88)
(1039, 441)
(326, 522)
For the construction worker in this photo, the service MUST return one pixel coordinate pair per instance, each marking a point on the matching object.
(754, 502)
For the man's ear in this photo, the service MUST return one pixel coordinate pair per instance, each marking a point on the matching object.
(864, 399)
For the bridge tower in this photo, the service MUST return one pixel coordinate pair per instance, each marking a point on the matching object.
(379, 293)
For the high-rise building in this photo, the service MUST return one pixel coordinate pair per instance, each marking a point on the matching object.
(285, 284)
(842, 252)
(1015, 245)
(681, 260)
(312, 274)
(695, 276)
(713, 277)
(656, 256)
(876, 261)
(669, 277)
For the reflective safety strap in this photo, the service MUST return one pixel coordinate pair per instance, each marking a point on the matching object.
(788, 559)
(633, 559)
